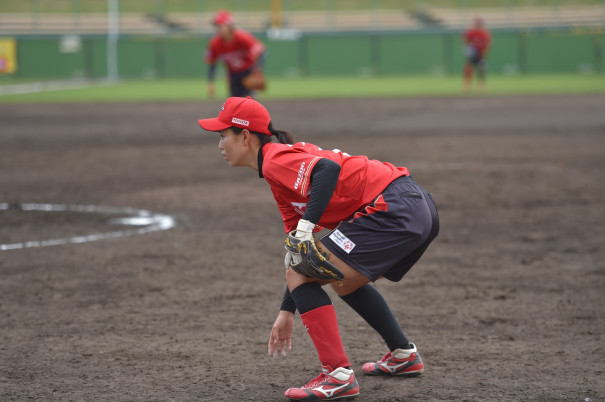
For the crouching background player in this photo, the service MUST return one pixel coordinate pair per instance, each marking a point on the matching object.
(243, 55)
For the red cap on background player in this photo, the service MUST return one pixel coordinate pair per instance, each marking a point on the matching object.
(222, 17)
(240, 112)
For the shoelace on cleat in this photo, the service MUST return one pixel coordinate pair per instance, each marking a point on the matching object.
(316, 381)
(385, 358)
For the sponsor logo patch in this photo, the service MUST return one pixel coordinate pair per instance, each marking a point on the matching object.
(240, 121)
(342, 241)
(301, 172)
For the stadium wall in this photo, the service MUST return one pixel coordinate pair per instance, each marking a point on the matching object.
(351, 54)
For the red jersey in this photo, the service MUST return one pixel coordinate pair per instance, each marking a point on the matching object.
(287, 169)
(239, 54)
(478, 38)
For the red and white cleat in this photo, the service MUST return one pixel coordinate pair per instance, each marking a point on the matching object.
(328, 386)
(400, 362)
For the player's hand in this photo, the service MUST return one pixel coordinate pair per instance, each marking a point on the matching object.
(306, 257)
(210, 89)
(304, 231)
(281, 334)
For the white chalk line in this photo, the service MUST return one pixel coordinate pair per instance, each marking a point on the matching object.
(146, 221)
(47, 86)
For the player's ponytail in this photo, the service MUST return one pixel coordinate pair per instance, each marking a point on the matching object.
(283, 137)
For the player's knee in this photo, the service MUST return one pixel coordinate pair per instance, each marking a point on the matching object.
(343, 288)
(294, 279)
(291, 276)
(338, 288)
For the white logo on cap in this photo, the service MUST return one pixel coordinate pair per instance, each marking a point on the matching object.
(239, 121)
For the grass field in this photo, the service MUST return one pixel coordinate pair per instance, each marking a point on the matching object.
(337, 87)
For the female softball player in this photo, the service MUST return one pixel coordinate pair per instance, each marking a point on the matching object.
(242, 53)
(381, 223)
(477, 40)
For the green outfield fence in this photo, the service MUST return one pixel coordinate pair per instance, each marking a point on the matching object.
(354, 54)
(59, 39)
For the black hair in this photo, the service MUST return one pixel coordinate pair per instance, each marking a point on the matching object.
(284, 137)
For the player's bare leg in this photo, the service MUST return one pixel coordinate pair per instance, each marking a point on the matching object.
(481, 75)
(467, 80)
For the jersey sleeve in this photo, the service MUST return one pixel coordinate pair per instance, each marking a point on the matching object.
(466, 36)
(253, 46)
(288, 170)
(292, 167)
(488, 39)
(210, 54)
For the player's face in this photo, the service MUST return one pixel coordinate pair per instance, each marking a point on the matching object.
(232, 147)
(224, 31)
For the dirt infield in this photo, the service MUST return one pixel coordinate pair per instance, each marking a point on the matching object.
(507, 304)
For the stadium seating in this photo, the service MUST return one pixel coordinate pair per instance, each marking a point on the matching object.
(308, 21)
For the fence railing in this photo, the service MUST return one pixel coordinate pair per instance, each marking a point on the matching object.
(325, 20)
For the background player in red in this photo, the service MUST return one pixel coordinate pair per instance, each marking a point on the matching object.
(381, 223)
(477, 40)
(242, 53)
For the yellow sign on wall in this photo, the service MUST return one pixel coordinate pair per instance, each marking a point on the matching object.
(8, 55)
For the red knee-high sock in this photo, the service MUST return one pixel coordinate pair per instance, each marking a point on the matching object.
(468, 71)
(322, 326)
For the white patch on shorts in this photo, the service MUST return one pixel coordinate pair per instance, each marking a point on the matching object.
(342, 241)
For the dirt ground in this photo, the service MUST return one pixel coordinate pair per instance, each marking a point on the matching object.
(507, 304)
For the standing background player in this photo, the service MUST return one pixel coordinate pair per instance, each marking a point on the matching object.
(477, 40)
(382, 222)
(242, 54)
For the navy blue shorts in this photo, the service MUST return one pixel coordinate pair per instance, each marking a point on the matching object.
(477, 60)
(389, 236)
(236, 84)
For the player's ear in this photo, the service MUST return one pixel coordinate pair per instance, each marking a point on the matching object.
(246, 135)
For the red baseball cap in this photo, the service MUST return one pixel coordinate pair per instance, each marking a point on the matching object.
(222, 17)
(239, 112)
